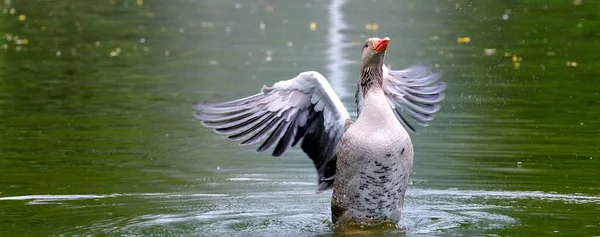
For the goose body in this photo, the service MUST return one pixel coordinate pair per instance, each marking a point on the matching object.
(375, 160)
(367, 162)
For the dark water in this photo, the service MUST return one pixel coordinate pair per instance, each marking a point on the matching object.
(96, 135)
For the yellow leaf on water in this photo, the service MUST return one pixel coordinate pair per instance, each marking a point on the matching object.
(463, 40)
(313, 26)
(140, 2)
(22, 17)
(372, 27)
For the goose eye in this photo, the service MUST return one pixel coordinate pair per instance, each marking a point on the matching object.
(366, 45)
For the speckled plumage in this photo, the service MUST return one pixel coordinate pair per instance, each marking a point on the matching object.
(374, 165)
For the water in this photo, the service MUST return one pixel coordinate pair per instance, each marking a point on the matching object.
(97, 136)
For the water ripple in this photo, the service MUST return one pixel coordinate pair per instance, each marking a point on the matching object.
(300, 212)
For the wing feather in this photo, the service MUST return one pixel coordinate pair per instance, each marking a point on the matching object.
(264, 130)
(241, 123)
(287, 139)
(274, 136)
(414, 92)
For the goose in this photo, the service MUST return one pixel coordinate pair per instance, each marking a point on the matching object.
(368, 161)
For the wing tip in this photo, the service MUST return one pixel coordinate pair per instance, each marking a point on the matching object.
(324, 185)
(196, 115)
(200, 106)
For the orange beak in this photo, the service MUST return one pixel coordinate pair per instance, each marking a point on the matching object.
(381, 44)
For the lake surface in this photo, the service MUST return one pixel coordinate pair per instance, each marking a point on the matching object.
(97, 137)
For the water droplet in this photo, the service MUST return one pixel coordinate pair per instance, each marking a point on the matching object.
(142, 40)
(489, 51)
(505, 17)
(58, 53)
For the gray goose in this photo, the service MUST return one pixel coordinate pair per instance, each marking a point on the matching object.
(367, 162)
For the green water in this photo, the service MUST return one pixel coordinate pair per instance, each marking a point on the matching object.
(97, 137)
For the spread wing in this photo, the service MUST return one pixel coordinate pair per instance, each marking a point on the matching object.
(414, 92)
(305, 107)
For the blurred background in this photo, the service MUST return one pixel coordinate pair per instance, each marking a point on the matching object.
(97, 137)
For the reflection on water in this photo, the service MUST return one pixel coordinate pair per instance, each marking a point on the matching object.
(336, 66)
